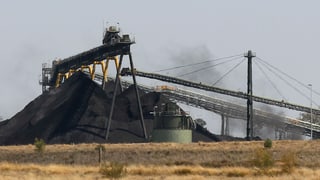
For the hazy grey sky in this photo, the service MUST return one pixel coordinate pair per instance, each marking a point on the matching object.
(284, 33)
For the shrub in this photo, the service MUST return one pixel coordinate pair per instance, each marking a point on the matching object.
(263, 159)
(268, 143)
(289, 162)
(113, 170)
(39, 145)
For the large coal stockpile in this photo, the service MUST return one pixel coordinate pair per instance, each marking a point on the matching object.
(76, 113)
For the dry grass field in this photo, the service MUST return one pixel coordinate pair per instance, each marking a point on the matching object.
(217, 160)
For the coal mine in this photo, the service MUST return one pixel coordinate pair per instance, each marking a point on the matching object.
(76, 112)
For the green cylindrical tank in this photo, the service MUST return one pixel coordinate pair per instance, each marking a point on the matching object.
(172, 135)
(168, 122)
(171, 126)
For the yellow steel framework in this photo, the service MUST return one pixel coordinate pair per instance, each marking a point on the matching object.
(91, 69)
(104, 68)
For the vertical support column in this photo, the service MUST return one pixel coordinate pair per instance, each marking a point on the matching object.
(311, 115)
(93, 71)
(89, 67)
(116, 62)
(138, 97)
(249, 137)
(44, 81)
(60, 79)
(281, 135)
(227, 129)
(108, 123)
(222, 125)
(71, 71)
(105, 71)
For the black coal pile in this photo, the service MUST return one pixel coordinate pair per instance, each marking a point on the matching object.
(77, 111)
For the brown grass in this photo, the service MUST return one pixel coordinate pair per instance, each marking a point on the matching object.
(33, 171)
(221, 160)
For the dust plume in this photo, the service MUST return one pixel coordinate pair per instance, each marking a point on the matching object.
(197, 73)
(275, 129)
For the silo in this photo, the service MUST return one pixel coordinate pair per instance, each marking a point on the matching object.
(171, 125)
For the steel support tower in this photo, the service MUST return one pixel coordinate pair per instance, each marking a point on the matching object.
(249, 137)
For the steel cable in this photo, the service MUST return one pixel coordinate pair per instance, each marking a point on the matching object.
(198, 63)
(208, 67)
(268, 66)
(290, 77)
(268, 78)
(228, 72)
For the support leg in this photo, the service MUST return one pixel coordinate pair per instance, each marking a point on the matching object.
(227, 131)
(105, 73)
(222, 124)
(116, 62)
(113, 99)
(138, 97)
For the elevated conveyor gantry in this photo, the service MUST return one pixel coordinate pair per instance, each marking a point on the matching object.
(113, 45)
(227, 108)
(127, 71)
